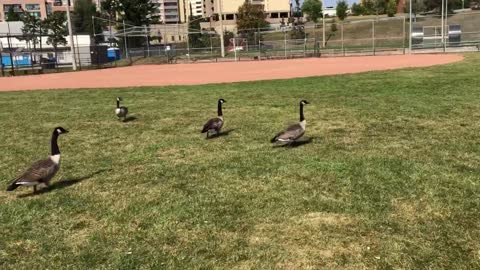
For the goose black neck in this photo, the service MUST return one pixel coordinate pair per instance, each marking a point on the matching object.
(118, 103)
(302, 117)
(54, 144)
(220, 113)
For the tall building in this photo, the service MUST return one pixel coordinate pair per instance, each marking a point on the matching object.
(197, 7)
(275, 9)
(37, 8)
(172, 11)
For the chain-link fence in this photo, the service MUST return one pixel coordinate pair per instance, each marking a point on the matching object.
(178, 44)
(34, 55)
(456, 32)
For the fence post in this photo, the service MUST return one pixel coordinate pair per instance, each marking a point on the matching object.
(403, 35)
(125, 39)
(305, 43)
(188, 43)
(343, 46)
(10, 52)
(373, 36)
(259, 47)
(235, 47)
(147, 33)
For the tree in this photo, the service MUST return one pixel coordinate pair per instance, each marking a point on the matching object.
(436, 5)
(342, 7)
(313, 9)
(357, 9)
(82, 18)
(369, 7)
(391, 8)
(333, 26)
(137, 12)
(55, 25)
(196, 39)
(251, 17)
(31, 29)
(12, 16)
(298, 10)
(133, 12)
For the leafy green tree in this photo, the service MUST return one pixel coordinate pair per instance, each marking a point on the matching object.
(297, 13)
(251, 17)
(342, 7)
(31, 29)
(357, 9)
(137, 12)
(313, 9)
(196, 39)
(369, 7)
(133, 12)
(12, 16)
(56, 26)
(82, 18)
(391, 8)
(333, 26)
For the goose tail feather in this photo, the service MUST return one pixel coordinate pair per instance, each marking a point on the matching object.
(274, 139)
(12, 186)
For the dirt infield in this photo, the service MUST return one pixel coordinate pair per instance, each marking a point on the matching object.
(193, 74)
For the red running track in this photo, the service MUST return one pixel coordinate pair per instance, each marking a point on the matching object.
(226, 72)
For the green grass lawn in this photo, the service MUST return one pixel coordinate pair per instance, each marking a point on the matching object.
(390, 181)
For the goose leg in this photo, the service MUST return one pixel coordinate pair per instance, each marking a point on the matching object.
(34, 189)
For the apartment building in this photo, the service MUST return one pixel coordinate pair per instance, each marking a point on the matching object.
(196, 7)
(59, 5)
(37, 8)
(172, 11)
(275, 9)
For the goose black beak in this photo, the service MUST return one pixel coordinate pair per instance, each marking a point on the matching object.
(66, 131)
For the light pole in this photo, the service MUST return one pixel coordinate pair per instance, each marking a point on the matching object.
(70, 33)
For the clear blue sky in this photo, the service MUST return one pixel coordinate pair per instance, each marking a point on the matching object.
(333, 3)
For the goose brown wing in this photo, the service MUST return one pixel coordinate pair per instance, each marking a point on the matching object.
(42, 170)
(292, 132)
(213, 124)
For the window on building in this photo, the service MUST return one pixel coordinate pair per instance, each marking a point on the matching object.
(283, 14)
(173, 38)
(15, 7)
(32, 7)
(274, 15)
(49, 9)
(36, 14)
(230, 17)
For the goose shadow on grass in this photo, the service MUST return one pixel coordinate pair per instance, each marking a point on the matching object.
(297, 143)
(130, 119)
(62, 184)
(221, 134)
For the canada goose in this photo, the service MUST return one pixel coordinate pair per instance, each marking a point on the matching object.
(121, 111)
(215, 124)
(43, 170)
(293, 132)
